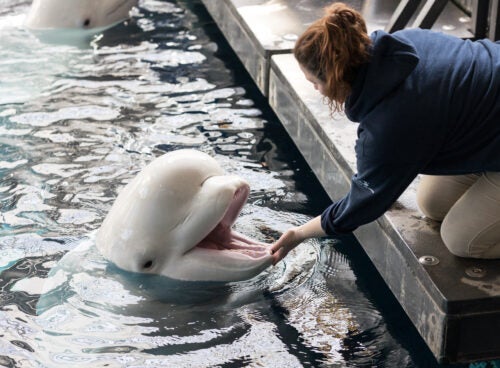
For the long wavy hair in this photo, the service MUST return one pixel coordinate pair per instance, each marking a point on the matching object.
(332, 49)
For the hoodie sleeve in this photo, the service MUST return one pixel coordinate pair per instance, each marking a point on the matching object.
(373, 190)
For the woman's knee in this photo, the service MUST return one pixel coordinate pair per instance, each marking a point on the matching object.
(437, 194)
(472, 226)
(485, 244)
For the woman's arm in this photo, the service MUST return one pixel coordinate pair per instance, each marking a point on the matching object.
(371, 194)
(294, 236)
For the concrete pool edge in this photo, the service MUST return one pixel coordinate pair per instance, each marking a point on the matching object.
(454, 304)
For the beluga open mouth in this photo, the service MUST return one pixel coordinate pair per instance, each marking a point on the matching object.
(223, 238)
(175, 219)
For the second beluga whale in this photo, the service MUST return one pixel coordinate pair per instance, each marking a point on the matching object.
(77, 14)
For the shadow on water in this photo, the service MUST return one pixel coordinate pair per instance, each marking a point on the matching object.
(400, 329)
(23, 269)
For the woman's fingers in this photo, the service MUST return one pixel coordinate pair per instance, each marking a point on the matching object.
(276, 246)
(277, 251)
(279, 255)
(284, 245)
(294, 236)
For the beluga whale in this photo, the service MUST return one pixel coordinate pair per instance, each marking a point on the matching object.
(175, 219)
(77, 14)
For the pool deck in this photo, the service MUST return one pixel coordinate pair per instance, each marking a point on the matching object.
(454, 303)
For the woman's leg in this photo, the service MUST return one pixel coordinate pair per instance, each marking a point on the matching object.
(472, 226)
(437, 194)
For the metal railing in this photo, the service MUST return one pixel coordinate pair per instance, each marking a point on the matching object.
(484, 14)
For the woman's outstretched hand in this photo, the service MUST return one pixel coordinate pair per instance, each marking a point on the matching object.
(294, 236)
(289, 240)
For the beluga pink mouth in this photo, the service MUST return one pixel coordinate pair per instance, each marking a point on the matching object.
(176, 217)
(225, 239)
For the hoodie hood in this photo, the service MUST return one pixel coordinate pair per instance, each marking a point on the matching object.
(392, 60)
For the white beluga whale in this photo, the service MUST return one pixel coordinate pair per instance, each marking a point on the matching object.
(175, 219)
(77, 14)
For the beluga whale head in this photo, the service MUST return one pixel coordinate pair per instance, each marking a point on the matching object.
(175, 219)
(77, 14)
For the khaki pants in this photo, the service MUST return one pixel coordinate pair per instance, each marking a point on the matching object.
(469, 208)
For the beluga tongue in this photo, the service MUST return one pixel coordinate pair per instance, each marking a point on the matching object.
(224, 238)
(175, 219)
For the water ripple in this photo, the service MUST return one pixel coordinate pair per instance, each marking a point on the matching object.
(42, 119)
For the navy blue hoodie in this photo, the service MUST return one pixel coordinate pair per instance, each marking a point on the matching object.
(426, 103)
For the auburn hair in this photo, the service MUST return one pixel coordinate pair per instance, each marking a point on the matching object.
(332, 49)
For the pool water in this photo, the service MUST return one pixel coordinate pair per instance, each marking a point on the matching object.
(77, 122)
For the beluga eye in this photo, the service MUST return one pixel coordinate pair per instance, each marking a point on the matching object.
(86, 23)
(147, 265)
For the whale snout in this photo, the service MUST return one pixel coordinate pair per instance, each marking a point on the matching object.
(183, 227)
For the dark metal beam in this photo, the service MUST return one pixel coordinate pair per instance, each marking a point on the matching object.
(479, 26)
(429, 13)
(402, 15)
(494, 31)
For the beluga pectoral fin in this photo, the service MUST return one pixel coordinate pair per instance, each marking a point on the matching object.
(175, 219)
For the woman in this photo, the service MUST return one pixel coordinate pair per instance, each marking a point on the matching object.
(427, 103)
